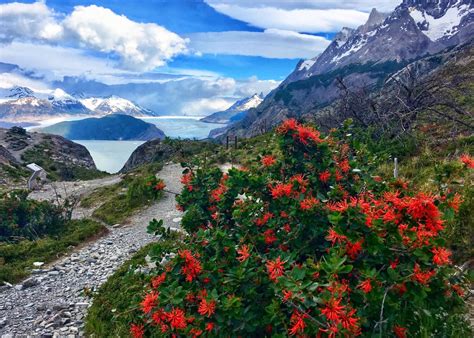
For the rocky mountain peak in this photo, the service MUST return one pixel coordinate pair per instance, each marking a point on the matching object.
(375, 19)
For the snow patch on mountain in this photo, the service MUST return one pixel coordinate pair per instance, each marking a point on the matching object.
(446, 25)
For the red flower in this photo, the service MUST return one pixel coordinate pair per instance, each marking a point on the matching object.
(354, 249)
(344, 166)
(160, 186)
(365, 286)
(137, 331)
(394, 264)
(308, 203)
(270, 237)
(421, 276)
(192, 267)
(308, 133)
(351, 323)
(467, 160)
(275, 268)
(334, 237)
(207, 308)
(243, 253)
(210, 326)
(149, 302)
(268, 161)
(455, 202)
(297, 321)
(264, 219)
(441, 256)
(324, 176)
(177, 318)
(340, 206)
(333, 310)
(216, 194)
(400, 332)
(287, 227)
(196, 332)
(158, 280)
(286, 126)
(281, 190)
(187, 178)
(287, 295)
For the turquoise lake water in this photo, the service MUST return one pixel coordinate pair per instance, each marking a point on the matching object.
(110, 156)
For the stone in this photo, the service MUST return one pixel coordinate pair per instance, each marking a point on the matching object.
(38, 264)
(28, 283)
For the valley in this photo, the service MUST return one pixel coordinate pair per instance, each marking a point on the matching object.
(216, 168)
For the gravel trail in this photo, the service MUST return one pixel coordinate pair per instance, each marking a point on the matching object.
(51, 302)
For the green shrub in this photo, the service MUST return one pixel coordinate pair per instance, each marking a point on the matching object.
(309, 242)
(17, 258)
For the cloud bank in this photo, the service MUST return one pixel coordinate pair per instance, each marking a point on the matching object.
(272, 43)
(136, 46)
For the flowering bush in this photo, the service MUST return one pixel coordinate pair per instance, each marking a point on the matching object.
(306, 243)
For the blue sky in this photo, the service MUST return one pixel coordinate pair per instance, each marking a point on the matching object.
(229, 47)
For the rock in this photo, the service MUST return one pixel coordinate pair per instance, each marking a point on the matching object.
(116, 225)
(150, 263)
(38, 264)
(30, 282)
(3, 322)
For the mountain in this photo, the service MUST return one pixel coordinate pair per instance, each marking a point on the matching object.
(22, 104)
(62, 159)
(236, 112)
(363, 58)
(110, 127)
(115, 105)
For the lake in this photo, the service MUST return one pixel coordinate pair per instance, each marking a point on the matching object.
(110, 156)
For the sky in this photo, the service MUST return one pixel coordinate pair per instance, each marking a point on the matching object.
(173, 56)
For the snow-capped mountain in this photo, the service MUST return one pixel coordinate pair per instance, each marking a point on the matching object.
(364, 58)
(415, 28)
(115, 105)
(22, 104)
(236, 112)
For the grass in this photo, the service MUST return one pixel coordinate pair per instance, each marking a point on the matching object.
(119, 201)
(16, 259)
(115, 304)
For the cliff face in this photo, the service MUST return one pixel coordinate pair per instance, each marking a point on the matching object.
(62, 159)
(364, 58)
(148, 152)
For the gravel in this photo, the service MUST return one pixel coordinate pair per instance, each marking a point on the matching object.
(52, 302)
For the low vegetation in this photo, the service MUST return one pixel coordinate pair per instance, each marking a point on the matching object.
(110, 313)
(119, 201)
(32, 231)
(371, 264)
(58, 171)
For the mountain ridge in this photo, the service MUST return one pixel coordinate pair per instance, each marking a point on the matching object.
(360, 60)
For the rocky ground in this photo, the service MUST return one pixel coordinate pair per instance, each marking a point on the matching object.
(52, 301)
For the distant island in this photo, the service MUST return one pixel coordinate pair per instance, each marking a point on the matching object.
(110, 127)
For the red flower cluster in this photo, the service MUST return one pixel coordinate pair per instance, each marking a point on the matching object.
(268, 161)
(297, 323)
(275, 268)
(282, 190)
(159, 186)
(308, 203)
(467, 160)
(441, 255)
(422, 277)
(137, 331)
(243, 253)
(149, 302)
(192, 267)
(207, 308)
(299, 132)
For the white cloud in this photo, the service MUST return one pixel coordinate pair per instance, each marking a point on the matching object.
(137, 46)
(272, 43)
(30, 21)
(253, 85)
(362, 5)
(207, 106)
(54, 62)
(299, 20)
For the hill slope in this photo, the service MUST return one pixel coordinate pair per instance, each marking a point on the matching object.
(364, 58)
(110, 127)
